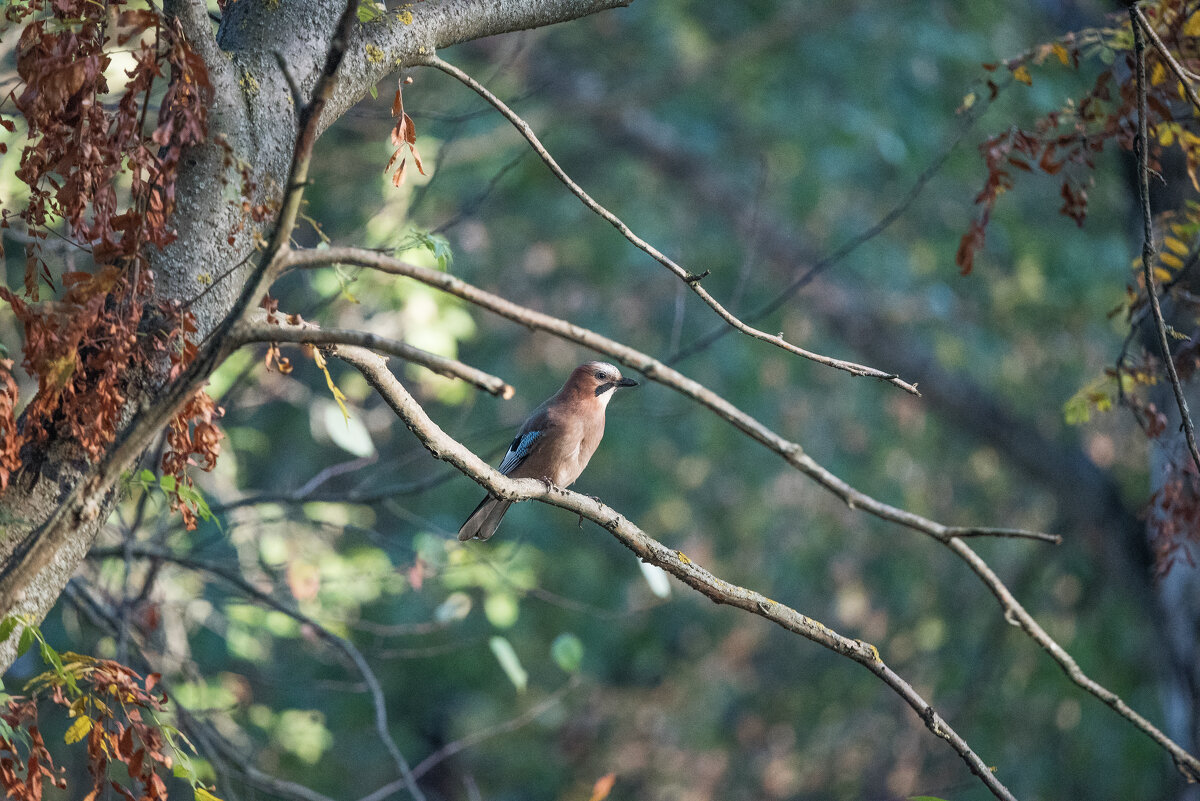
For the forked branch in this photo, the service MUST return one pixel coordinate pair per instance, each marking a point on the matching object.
(950, 536)
(693, 280)
(1136, 22)
(445, 447)
(308, 334)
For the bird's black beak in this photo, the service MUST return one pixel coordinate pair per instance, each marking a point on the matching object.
(627, 382)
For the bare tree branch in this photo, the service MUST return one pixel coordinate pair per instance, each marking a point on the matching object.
(691, 279)
(793, 453)
(445, 447)
(1085, 492)
(213, 745)
(450, 749)
(1185, 78)
(1139, 55)
(379, 48)
(341, 644)
(253, 332)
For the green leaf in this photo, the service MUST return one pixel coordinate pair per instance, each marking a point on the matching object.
(374, 88)
(205, 795)
(25, 641)
(51, 657)
(567, 652)
(507, 657)
(368, 12)
(7, 626)
(435, 244)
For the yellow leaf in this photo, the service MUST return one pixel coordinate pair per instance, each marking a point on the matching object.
(1158, 74)
(1166, 136)
(1061, 52)
(1171, 260)
(1161, 274)
(205, 795)
(338, 395)
(1021, 74)
(1175, 245)
(1192, 26)
(79, 729)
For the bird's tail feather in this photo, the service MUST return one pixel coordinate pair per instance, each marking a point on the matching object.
(484, 521)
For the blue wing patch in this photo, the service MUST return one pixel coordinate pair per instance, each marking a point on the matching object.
(517, 451)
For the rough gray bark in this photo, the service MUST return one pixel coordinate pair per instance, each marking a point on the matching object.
(253, 120)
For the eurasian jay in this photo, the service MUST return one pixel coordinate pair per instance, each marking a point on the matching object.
(556, 442)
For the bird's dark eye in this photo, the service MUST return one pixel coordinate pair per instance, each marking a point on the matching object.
(601, 376)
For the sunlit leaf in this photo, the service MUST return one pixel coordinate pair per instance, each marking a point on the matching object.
(657, 579)
(348, 433)
(1176, 245)
(511, 665)
(567, 651)
(1171, 260)
(338, 395)
(1192, 26)
(25, 641)
(205, 795)
(368, 11)
(78, 730)
(1021, 73)
(456, 607)
(1158, 74)
(8, 626)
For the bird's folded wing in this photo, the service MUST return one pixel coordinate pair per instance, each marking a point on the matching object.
(518, 451)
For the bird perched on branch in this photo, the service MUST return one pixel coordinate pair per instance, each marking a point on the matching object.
(556, 442)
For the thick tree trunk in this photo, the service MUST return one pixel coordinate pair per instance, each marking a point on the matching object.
(263, 53)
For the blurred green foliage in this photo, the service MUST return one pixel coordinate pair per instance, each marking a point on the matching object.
(823, 115)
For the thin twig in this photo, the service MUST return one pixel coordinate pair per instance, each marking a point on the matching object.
(1011, 533)
(792, 452)
(692, 280)
(1139, 55)
(254, 332)
(469, 208)
(474, 738)
(445, 447)
(213, 745)
(1185, 78)
(339, 643)
(349, 496)
(805, 277)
